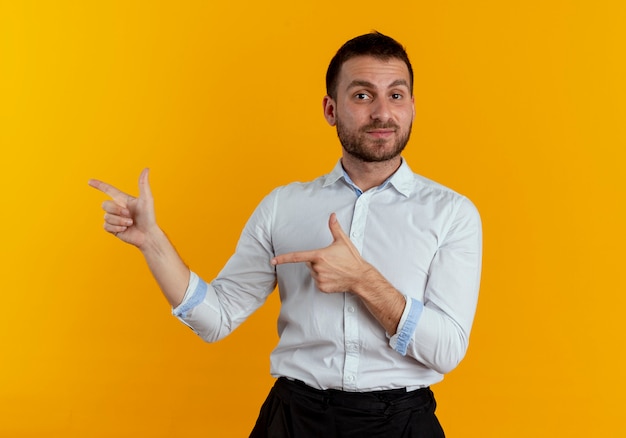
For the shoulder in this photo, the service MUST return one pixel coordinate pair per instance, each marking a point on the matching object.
(297, 188)
(433, 188)
(440, 197)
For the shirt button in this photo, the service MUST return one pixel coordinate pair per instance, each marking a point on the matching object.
(350, 378)
(351, 309)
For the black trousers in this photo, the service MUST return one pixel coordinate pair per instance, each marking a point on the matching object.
(295, 410)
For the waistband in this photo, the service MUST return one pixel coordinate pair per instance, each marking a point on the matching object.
(371, 401)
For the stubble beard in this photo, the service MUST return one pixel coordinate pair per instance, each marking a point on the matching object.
(356, 143)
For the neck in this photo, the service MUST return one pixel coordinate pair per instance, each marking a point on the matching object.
(368, 175)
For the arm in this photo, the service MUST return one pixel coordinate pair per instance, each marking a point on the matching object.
(132, 220)
(214, 309)
(442, 334)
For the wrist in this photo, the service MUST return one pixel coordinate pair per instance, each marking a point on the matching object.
(153, 241)
(367, 277)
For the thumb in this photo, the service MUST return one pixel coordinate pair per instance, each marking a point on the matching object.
(144, 184)
(335, 228)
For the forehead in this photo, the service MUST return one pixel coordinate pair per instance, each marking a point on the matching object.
(378, 72)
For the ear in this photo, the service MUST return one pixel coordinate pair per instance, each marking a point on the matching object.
(413, 105)
(330, 110)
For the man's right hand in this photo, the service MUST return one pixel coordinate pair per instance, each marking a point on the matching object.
(130, 219)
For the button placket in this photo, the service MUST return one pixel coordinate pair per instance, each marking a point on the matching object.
(351, 302)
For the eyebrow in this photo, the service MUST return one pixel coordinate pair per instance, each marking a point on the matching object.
(368, 84)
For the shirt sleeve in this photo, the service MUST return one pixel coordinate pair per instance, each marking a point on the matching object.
(214, 309)
(441, 335)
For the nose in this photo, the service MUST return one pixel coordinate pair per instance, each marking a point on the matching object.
(381, 110)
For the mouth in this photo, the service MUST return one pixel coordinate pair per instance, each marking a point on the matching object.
(380, 133)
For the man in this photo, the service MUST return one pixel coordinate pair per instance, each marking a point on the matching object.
(370, 318)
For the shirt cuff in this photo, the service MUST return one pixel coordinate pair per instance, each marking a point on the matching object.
(406, 326)
(194, 295)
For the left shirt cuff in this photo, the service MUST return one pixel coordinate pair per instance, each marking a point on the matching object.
(406, 326)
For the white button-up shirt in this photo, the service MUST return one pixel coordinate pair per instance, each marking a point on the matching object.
(424, 238)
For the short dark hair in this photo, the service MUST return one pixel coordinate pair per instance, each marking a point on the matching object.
(371, 44)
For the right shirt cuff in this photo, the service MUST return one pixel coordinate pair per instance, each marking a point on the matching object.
(194, 295)
(406, 327)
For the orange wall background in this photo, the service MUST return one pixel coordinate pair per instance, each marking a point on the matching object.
(521, 106)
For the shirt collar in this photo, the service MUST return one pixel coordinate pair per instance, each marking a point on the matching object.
(402, 180)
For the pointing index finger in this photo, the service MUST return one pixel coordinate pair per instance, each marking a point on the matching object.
(117, 195)
(294, 257)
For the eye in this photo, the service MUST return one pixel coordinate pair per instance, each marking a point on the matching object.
(396, 96)
(361, 96)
